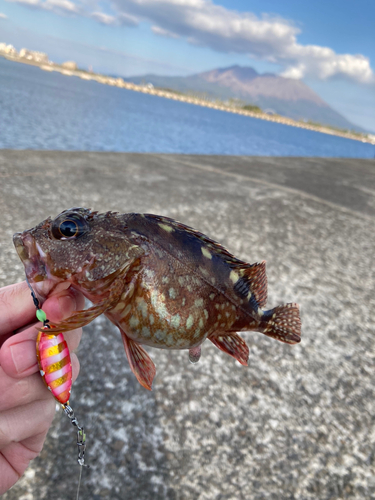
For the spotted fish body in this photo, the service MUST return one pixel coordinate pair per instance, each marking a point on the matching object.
(184, 288)
(162, 283)
(54, 364)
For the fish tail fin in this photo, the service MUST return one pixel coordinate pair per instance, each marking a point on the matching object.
(282, 323)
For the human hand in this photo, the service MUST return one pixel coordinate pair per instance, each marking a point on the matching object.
(26, 406)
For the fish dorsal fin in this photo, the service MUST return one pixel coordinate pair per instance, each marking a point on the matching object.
(250, 281)
(211, 244)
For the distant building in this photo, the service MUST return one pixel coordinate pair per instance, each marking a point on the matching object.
(8, 49)
(70, 65)
(33, 55)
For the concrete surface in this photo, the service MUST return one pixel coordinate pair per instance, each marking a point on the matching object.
(298, 423)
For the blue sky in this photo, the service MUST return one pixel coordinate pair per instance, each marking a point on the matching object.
(330, 45)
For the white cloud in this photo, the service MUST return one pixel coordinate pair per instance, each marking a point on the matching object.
(323, 62)
(3, 16)
(29, 3)
(57, 6)
(104, 18)
(270, 38)
(109, 20)
(127, 20)
(203, 23)
(162, 32)
(64, 5)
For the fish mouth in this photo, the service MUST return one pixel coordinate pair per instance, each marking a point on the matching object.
(36, 267)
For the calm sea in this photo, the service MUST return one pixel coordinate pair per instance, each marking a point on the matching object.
(42, 110)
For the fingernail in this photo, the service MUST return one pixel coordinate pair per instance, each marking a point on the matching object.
(23, 355)
(67, 304)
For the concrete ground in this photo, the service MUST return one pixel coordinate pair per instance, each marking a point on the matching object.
(299, 422)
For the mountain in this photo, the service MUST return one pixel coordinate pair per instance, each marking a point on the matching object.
(272, 93)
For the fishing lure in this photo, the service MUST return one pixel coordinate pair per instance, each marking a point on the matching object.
(54, 364)
(55, 367)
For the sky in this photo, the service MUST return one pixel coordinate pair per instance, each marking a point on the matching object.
(329, 44)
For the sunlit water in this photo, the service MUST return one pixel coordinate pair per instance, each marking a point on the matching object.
(43, 110)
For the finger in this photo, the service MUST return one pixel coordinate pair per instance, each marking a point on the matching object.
(61, 306)
(73, 339)
(20, 392)
(15, 458)
(16, 307)
(18, 354)
(25, 421)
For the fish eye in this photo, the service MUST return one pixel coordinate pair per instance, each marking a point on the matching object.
(69, 227)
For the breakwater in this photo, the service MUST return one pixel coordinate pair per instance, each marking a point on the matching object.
(295, 423)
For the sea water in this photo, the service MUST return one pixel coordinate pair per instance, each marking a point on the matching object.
(47, 110)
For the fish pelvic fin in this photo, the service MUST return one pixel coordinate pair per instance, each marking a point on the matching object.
(252, 283)
(232, 344)
(282, 323)
(195, 354)
(140, 362)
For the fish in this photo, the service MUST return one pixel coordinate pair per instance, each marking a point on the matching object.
(161, 282)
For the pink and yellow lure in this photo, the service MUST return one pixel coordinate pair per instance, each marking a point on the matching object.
(54, 364)
(55, 367)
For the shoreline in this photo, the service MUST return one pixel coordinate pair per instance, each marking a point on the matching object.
(168, 94)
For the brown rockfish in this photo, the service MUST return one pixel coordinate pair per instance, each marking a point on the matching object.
(162, 283)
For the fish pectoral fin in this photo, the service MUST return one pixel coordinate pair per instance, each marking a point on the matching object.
(84, 317)
(232, 344)
(195, 354)
(252, 282)
(80, 319)
(140, 362)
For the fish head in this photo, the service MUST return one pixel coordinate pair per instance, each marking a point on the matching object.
(78, 247)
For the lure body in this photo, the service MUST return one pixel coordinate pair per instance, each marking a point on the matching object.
(54, 364)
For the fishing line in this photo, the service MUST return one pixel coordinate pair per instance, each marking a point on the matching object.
(54, 343)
